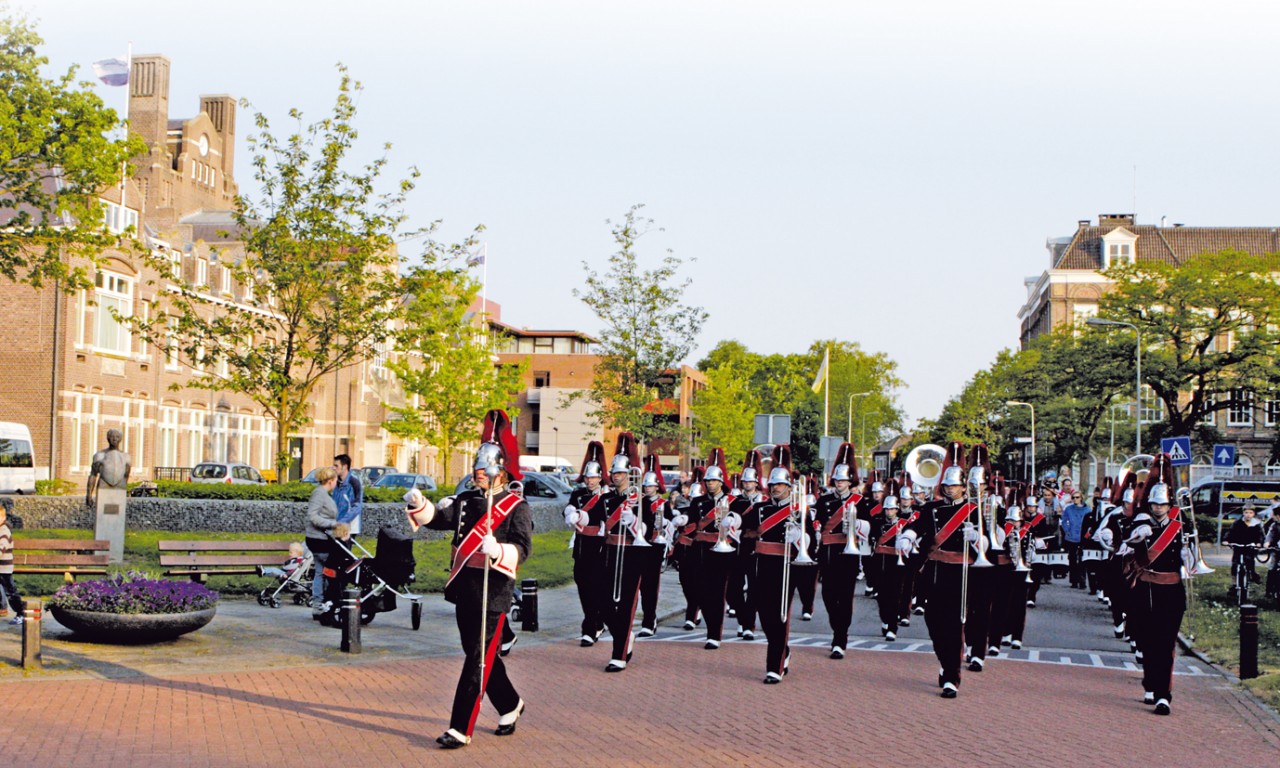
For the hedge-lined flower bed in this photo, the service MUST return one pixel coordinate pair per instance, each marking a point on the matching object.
(271, 492)
(134, 593)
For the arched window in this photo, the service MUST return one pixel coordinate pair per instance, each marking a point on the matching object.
(1244, 465)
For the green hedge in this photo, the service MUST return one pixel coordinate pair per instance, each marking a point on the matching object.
(297, 491)
(551, 562)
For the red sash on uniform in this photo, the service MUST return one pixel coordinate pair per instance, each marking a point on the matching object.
(888, 536)
(1032, 523)
(591, 502)
(953, 524)
(837, 517)
(707, 519)
(1162, 542)
(876, 510)
(471, 543)
(774, 519)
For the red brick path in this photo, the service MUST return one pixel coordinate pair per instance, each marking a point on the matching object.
(676, 704)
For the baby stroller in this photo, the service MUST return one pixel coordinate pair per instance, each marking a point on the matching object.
(297, 583)
(381, 578)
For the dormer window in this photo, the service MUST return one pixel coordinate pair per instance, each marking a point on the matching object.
(1119, 246)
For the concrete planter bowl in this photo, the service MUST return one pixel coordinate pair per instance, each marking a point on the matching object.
(132, 628)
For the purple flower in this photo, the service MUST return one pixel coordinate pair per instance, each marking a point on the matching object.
(134, 592)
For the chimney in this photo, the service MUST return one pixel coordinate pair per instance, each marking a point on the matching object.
(1114, 220)
(149, 99)
(221, 110)
(1083, 223)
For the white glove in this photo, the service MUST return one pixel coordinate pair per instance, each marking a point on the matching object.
(811, 499)
(970, 533)
(1124, 550)
(1106, 537)
(731, 520)
(679, 521)
(491, 547)
(905, 543)
(793, 534)
(1000, 538)
(444, 503)
(570, 515)
(1140, 533)
(628, 516)
(862, 529)
(1041, 544)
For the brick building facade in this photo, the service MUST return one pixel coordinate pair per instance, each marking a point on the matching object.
(1069, 291)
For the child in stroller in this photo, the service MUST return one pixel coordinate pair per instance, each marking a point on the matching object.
(380, 578)
(293, 576)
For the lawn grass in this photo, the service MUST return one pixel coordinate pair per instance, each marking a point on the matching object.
(550, 562)
(1215, 620)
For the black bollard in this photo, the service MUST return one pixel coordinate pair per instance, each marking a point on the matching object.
(1248, 641)
(351, 620)
(529, 605)
(32, 614)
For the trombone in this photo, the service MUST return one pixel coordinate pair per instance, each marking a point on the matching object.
(1193, 563)
(632, 500)
(973, 495)
(799, 518)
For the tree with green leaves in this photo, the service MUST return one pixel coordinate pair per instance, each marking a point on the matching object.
(721, 415)
(56, 157)
(648, 329)
(445, 365)
(1210, 329)
(320, 271)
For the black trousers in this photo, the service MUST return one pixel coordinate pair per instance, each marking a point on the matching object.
(1015, 620)
(689, 560)
(839, 577)
(1117, 589)
(805, 578)
(870, 572)
(1001, 583)
(889, 591)
(943, 618)
(765, 581)
(588, 575)
(712, 586)
(471, 688)
(625, 583)
(1158, 609)
(978, 608)
(739, 590)
(1092, 571)
(650, 582)
(1075, 569)
(914, 587)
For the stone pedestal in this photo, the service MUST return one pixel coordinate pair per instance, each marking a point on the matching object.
(109, 523)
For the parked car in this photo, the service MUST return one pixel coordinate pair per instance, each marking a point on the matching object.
(311, 477)
(371, 475)
(406, 481)
(226, 472)
(538, 486)
(17, 468)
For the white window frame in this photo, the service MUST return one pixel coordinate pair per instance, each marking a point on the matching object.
(1241, 416)
(202, 272)
(1210, 419)
(1153, 413)
(167, 455)
(1270, 412)
(195, 435)
(1244, 465)
(112, 290)
(1273, 469)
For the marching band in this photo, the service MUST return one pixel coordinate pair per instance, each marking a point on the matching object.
(945, 538)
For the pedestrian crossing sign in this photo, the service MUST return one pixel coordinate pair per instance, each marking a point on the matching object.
(1179, 450)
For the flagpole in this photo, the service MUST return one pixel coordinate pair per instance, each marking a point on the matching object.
(826, 399)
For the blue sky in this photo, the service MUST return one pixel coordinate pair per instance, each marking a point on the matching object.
(880, 172)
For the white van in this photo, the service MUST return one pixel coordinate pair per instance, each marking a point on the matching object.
(17, 462)
(553, 464)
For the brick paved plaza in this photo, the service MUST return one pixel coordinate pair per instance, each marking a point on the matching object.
(677, 704)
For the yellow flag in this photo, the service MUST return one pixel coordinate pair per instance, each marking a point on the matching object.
(822, 372)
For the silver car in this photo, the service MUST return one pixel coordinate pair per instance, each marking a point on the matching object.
(226, 472)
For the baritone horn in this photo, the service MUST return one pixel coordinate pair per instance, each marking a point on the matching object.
(1191, 537)
(924, 464)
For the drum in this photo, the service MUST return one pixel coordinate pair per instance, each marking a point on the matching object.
(1092, 554)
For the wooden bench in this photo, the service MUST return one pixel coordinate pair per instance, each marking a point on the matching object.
(69, 557)
(198, 560)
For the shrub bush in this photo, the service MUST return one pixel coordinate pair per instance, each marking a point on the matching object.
(55, 487)
(297, 491)
(134, 592)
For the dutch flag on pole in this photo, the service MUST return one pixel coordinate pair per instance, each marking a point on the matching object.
(113, 72)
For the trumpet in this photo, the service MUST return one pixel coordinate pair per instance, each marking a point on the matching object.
(850, 532)
(1014, 542)
(660, 539)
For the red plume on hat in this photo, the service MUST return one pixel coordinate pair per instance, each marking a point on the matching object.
(845, 455)
(782, 455)
(628, 448)
(595, 452)
(497, 430)
(1160, 471)
(716, 459)
(651, 465)
(752, 462)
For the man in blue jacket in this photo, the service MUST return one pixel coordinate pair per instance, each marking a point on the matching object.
(349, 493)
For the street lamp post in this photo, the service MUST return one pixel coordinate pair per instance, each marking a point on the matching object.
(555, 431)
(1033, 434)
(1137, 386)
(849, 426)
